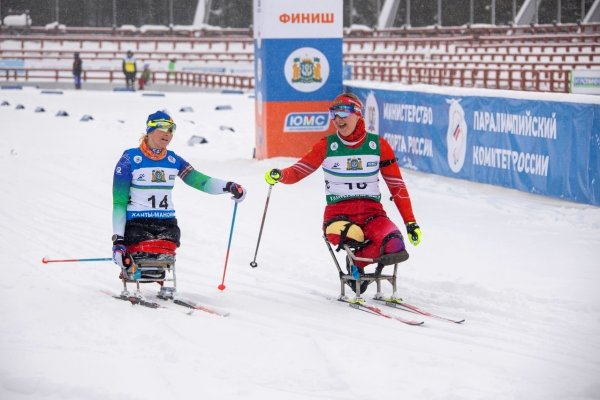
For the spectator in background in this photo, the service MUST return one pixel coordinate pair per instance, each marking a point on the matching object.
(77, 68)
(145, 77)
(172, 68)
(129, 69)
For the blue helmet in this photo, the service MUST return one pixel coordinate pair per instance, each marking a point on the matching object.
(158, 119)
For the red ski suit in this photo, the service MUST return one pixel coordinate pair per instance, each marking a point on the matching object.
(366, 213)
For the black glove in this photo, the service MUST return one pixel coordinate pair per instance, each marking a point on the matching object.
(414, 233)
(118, 239)
(238, 192)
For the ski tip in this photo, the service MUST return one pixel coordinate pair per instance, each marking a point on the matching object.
(411, 322)
(212, 311)
(45, 260)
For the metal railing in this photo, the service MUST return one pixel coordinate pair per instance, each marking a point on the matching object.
(405, 31)
(539, 80)
(199, 79)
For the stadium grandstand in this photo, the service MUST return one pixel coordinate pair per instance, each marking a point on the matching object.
(531, 45)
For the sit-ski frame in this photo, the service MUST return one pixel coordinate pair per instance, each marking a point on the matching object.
(376, 276)
(150, 264)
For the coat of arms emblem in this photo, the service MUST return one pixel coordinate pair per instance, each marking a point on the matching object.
(354, 164)
(306, 70)
(158, 175)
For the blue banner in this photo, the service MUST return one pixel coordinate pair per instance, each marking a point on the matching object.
(303, 70)
(546, 147)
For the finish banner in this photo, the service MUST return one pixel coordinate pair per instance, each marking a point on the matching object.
(298, 72)
(546, 147)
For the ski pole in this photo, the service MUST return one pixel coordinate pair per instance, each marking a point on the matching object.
(47, 260)
(253, 264)
(222, 285)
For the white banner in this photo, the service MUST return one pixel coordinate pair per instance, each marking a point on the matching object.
(280, 19)
(585, 81)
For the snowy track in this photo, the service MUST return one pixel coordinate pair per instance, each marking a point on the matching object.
(522, 269)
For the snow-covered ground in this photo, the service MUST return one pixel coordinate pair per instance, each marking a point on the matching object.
(522, 269)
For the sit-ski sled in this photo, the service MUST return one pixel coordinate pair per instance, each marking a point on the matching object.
(150, 261)
(153, 261)
(357, 278)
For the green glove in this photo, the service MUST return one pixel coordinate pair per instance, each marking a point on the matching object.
(414, 233)
(273, 176)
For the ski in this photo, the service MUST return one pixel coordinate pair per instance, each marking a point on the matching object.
(135, 300)
(151, 304)
(376, 311)
(401, 305)
(195, 306)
